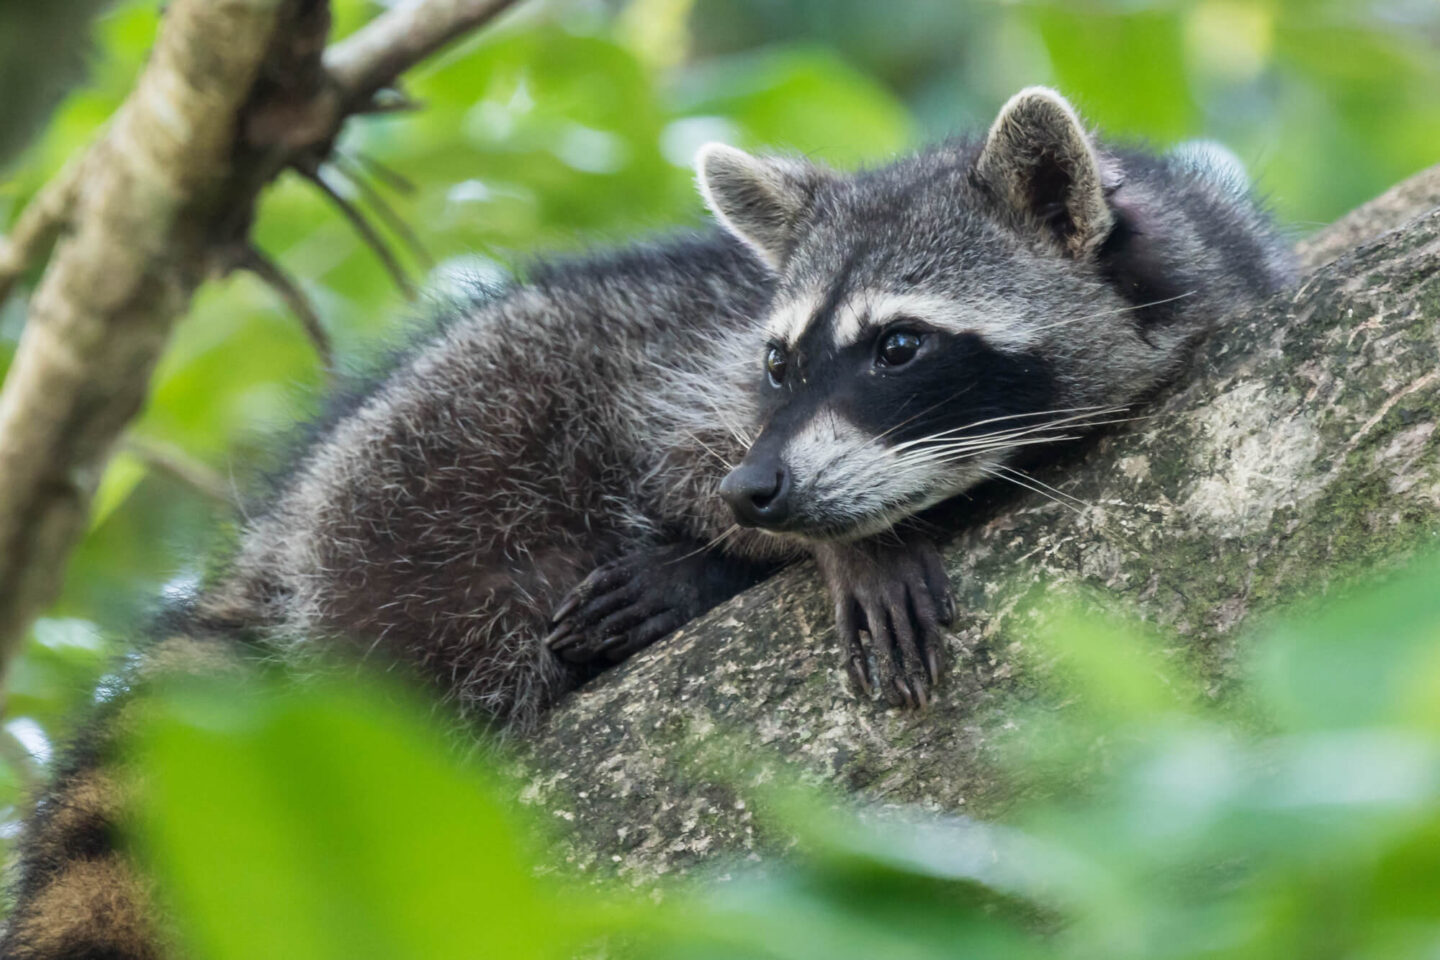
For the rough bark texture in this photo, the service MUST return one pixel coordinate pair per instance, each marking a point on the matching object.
(1301, 448)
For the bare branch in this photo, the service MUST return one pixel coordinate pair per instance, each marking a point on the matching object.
(394, 179)
(115, 284)
(388, 100)
(176, 463)
(38, 226)
(382, 208)
(373, 56)
(287, 290)
(367, 232)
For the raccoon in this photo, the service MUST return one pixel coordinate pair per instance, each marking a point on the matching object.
(576, 466)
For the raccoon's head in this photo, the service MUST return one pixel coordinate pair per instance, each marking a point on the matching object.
(931, 318)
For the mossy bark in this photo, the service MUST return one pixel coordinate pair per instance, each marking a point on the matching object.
(1300, 449)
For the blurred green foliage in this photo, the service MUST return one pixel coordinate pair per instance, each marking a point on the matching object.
(574, 123)
(1168, 829)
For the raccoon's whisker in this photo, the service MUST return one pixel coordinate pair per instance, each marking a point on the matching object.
(713, 542)
(1077, 414)
(1002, 437)
(957, 454)
(711, 450)
(915, 416)
(1111, 313)
(1009, 470)
(973, 446)
(1044, 493)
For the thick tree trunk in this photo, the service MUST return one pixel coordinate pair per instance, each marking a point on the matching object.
(1299, 450)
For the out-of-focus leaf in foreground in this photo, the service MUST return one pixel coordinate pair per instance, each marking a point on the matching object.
(330, 824)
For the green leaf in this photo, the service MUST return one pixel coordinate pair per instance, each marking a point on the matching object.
(332, 824)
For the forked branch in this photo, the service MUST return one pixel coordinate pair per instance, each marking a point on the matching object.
(234, 93)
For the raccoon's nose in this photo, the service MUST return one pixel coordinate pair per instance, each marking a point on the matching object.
(759, 493)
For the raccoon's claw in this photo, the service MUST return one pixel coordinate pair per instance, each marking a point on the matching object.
(897, 598)
(859, 670)
(629, 603)
(568, 603)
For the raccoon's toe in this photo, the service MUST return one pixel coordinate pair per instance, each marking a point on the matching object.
(631, 602)
(890, 608)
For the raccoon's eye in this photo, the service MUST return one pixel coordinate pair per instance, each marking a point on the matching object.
(775, 364)
(898, 347)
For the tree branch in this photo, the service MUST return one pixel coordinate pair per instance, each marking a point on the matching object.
(115, 284)
(373, 56)
(235, 92)
(269, 273)
(38, 226)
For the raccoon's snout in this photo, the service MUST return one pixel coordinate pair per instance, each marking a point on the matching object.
(759, 493)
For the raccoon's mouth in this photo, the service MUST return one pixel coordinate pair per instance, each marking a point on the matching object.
(838, 526)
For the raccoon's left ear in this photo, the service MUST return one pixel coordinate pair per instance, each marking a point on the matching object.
(758, 199)
(1041, 164)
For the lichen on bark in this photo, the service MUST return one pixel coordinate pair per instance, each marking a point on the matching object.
(1299, 450)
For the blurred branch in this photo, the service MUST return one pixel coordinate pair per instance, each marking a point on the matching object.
(234, 93)
(268, 272)
(37, 227)
(373, 56)
(176, 463)
(366, 230)
(377, 202)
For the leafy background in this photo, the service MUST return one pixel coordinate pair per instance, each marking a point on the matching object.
(573, 124)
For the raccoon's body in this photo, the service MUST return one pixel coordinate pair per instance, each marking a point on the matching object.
(550, 430)
(534, 490)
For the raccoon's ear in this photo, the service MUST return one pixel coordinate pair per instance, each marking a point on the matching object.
(1042, 166)
(758, 199)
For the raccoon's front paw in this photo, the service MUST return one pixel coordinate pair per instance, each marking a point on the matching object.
(629, 603)
(620, 608)
(899, 595)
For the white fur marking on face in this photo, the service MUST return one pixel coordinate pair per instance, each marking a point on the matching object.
(827, 440)
(789, 319)
(844, 476)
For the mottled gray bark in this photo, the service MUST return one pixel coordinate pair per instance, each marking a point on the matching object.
(1299, 449)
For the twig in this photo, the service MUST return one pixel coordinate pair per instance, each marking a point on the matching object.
(174, 462)
(366, 230)
(38, 226)
(397, 223)
(373, 56)
(287, 290)
(393, 178)
(388, 100)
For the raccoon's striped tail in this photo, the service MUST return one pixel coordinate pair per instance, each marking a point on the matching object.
(75, 895)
